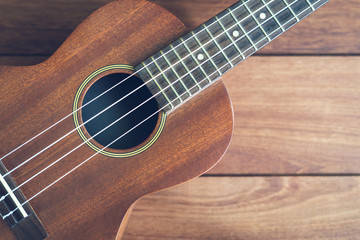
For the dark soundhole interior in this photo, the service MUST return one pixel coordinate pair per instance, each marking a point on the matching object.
(123, 108)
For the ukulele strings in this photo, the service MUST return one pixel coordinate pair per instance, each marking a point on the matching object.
(44, 189)
(82, 163)
(119, 100)
(133, 74)
(180, 79)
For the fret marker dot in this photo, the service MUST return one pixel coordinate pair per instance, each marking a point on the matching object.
(201, 57)
(262, 16)
(236, 34)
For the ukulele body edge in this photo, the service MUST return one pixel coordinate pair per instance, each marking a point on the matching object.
(93, 201)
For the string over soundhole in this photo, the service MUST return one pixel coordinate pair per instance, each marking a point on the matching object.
(117, 114)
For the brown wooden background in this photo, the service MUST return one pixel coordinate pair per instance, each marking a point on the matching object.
(292, 170)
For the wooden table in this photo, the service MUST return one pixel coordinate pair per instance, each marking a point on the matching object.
(292, 169)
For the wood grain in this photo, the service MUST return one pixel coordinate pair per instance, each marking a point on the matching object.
(332, 29)
(294, 115)
(309, 124)
(274, 208)
(90, 200)
(39, 27)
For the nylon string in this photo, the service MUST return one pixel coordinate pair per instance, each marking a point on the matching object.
(161, 72)
(146, 118)
(133, 74)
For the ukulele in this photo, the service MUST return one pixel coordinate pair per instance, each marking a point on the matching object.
(100, 124)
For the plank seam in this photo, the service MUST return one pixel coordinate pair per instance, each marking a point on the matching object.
(286, 175)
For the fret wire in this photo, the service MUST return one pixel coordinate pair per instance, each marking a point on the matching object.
(195, 59)
(230, 11)
(216, 43)
(201, 46)
(51, 127)
(252, 14)
(177, 75)
(71, 170)
(226, 32)
(289, 7)
(158, 85)
(257, 42)
(226, 63)
(312, 7)
(184, 65)
(236, 23)
(242, 29)
(66, 174)
(273, 15)
(165, 77)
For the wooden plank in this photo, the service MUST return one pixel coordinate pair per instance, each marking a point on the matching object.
(251, 208)
(38, 27)
(332, 29)
(294, 115)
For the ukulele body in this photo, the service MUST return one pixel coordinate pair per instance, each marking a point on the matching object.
(94, 200)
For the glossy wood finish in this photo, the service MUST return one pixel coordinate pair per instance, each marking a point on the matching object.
(92, 201)
(219, 207)
(278, 102)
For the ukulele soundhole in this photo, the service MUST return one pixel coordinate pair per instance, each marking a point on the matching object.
(135, 107)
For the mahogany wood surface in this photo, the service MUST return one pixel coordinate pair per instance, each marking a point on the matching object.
(293, 115)
(255, 208)
(91, 202)
(312, 207)
(39, 27)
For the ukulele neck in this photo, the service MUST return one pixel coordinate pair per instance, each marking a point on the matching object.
(191, 63)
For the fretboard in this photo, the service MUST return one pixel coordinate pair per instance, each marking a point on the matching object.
(191, 63)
